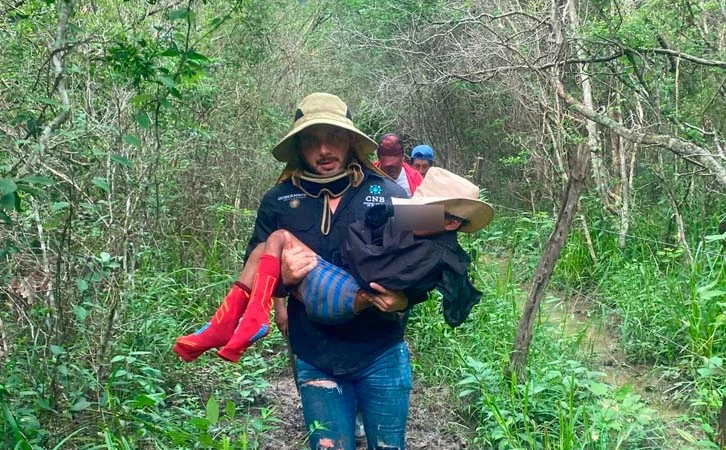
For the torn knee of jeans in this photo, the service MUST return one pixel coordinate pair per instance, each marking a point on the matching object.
(386, 447)
(326, 384)
(325, 444)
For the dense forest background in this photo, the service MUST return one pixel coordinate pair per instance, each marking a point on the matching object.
(135, 140)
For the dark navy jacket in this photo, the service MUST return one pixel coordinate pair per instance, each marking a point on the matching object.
(348, 347)
(396, 259)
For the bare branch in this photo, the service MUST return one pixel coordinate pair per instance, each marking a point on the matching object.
(681, 148)
(65, 10)
(687, 57)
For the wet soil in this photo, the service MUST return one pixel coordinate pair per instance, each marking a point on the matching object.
(432, 423)
(579, 317)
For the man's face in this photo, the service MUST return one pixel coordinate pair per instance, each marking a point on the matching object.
(325, 148)
(421, 165)
(391, 165)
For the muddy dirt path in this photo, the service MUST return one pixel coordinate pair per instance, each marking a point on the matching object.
(435, 424)
(431, 423)
(577, 316)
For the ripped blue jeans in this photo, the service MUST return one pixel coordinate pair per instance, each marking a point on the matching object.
(380, 391)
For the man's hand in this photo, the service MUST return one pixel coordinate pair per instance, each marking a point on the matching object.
(281, 315)
(297, 261)
(388, 301)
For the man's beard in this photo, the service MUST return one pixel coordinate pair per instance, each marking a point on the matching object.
(306, 167)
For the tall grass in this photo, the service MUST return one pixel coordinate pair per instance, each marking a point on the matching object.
(665, 315)
(138, 394)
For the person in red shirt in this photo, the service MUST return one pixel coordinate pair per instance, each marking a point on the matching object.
(390, 161)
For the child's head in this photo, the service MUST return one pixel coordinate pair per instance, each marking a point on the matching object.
(463, 211)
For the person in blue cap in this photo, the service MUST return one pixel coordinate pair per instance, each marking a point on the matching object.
(422, 158)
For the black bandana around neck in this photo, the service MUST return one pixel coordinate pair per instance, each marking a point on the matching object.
(329, 186)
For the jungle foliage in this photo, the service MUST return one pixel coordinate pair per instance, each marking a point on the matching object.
(135, 143)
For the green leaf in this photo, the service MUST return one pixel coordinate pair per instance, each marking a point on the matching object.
(177, 14)
(688, 437)
(34, 179)
(57, 350)
(28, 189)
(140, 99)
(143, 120)
(80, 312)
(716, 237)
(167, 81)
(124, 161)
(49, 101)
(707, 295)
(10, 420)
(81, 284)
(57, 206)
(196, 56)
(7, 186)
(143, 400)
(80, 405)
(175, 92)
(171, 51)
(62, 442)
(131, 140)
(230, 409)
(466, 392)
(8, 202)
(101, 183)
(212, 410)
(200, 424)
(599, 389)
(707, 292)
(105, 257)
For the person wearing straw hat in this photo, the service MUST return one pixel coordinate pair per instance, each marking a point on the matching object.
(414, 251)
(414, 261)
(327, 184)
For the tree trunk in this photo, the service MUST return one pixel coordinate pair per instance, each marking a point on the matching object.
(588, 239)
(599, 172)
(722, 425)
(546, 264)
(676, 209)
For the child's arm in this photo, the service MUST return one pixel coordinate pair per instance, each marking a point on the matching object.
(281, 315)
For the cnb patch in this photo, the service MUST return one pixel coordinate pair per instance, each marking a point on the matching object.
(375, 189)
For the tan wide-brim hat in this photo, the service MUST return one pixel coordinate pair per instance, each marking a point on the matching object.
(321, 108)
(459, 196)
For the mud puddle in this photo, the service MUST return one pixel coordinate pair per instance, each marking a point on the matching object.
(578, 318)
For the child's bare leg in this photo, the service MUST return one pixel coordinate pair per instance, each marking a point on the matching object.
(249, 270)
(255, 324)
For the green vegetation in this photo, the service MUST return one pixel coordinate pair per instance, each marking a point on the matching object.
(135, 140)
(568, 401)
